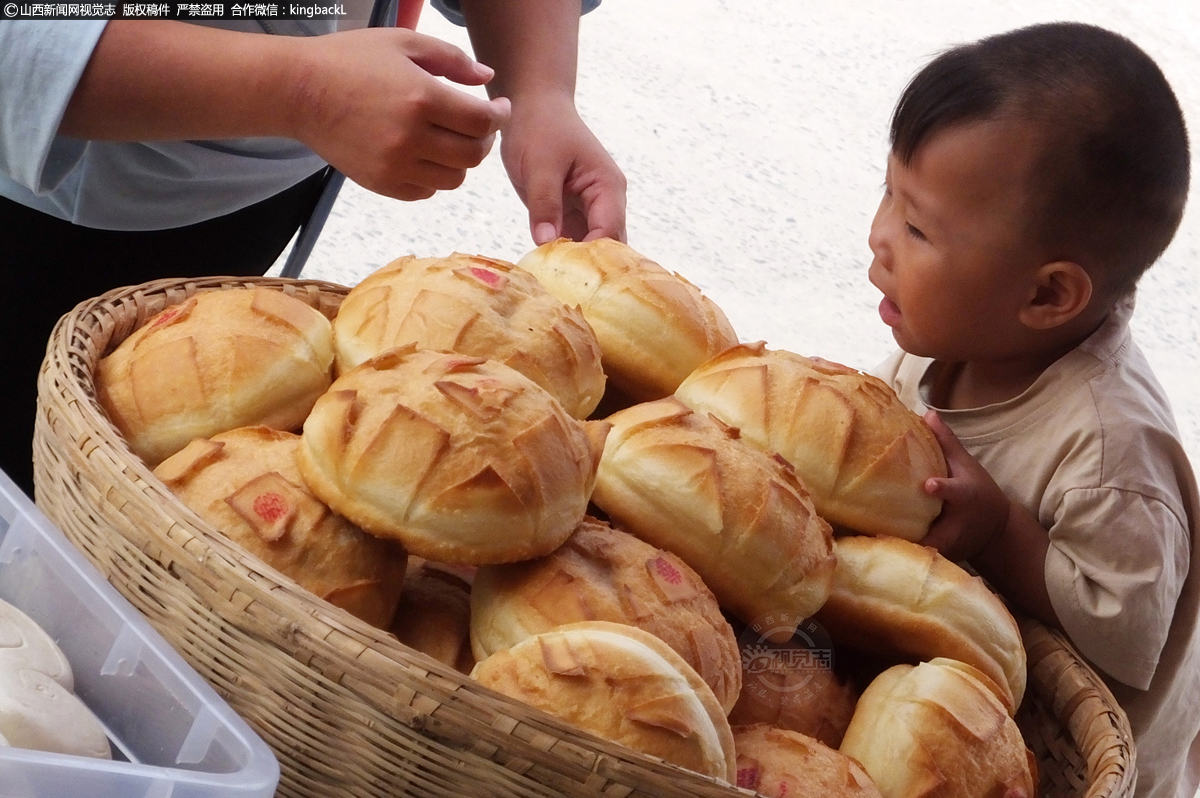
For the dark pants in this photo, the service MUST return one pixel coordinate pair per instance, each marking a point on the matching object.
(47, 266)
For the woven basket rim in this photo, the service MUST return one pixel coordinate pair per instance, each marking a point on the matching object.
(1090, 713)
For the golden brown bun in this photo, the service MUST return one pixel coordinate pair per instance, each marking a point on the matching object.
(811, 699)
(894, 598)
(785, 764)
(218, 361)
(621, 684)
(604, 574)
(654, 327)
(474, 306)
(246, 485)
(938, 730)
(434, 616)
(461, 459)
(863, 455)
(682, 481)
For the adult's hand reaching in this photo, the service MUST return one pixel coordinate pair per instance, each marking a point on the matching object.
(567, 180)
(368, 101)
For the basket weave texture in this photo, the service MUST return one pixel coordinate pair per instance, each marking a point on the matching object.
(347, 709)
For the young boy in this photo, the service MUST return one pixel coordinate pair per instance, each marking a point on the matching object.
(1033, 177)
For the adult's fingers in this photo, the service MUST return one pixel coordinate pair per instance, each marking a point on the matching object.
(407, 192)
(466, 114)
(433, 177)
(441, 58)
(452, 149)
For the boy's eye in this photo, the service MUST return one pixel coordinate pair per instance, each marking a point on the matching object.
(915, 233)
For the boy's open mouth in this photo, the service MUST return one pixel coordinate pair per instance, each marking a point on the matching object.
(889, 311)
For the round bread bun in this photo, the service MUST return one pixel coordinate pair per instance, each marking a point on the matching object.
(939, 729)
(779, 763)
(25, 645)
(654, 327)
(38, 713)
(38, 708)
(815, 701)
(473, 306)
(683, 482)
(604, 574)
(434, 616)
(215, 362)
(863, 455)
(903, 600)
(620, 684)
(246, 484)
(461, 459)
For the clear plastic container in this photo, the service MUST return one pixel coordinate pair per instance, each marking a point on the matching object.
(172, 736)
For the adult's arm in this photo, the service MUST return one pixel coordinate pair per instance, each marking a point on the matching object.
(367, 101)
(565, 177)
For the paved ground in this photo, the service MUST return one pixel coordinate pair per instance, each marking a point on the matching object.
(754, 137)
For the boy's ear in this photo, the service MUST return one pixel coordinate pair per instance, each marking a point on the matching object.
(1062, 289)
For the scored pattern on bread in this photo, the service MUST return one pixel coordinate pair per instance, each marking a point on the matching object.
(218, 361)
(938, 729)
(475, 306)
(684, 482)
(905, 601)
(271, 504)
(463, 460)
(863, 455)
(653, 326)
(621, 684)
(246, 484)
(601, 573)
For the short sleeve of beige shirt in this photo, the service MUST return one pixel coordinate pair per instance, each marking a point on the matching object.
(1114, 571)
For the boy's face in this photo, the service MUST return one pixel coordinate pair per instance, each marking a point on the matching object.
(953, 256)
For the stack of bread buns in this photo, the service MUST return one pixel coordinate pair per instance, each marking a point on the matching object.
(863, 456)
(592, 563)
(896, 599)
(685, 482)
(604, 574)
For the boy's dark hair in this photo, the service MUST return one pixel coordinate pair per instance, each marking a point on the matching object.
(1113, 177)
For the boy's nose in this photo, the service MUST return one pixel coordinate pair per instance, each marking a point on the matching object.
(877, 241)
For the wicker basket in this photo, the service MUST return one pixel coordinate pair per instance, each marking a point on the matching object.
(346, 708)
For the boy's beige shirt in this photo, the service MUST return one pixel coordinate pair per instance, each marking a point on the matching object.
(1091, 449)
